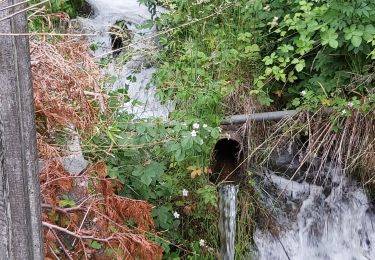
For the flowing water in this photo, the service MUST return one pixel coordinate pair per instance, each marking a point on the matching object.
(134, 74)
(316, 222)
(227, 220)
(337, 224)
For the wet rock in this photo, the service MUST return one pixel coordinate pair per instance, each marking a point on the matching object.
(286, 162)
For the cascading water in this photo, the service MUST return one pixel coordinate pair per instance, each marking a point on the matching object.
(316, 222)
(136, 73)
(227, 220)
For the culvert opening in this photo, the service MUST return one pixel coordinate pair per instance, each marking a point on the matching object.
(120, 37)
(225, 161)
(84, 9)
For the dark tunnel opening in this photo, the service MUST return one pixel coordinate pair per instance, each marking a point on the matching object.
(225, 161)
(120, 37)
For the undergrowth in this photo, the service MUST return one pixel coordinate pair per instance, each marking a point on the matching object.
(216, 58)
(223, 57)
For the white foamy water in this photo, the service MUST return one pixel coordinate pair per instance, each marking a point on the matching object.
(143, 103)
(335, 225)
(227, 220)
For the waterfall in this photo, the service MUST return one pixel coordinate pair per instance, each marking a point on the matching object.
(316, 222)
(227, 220)
(136, 73)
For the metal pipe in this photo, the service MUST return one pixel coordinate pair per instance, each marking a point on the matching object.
(266, 116)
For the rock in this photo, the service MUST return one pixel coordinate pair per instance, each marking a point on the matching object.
(74, 163)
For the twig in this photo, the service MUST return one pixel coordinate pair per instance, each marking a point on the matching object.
(23, 10)
(82, 222)
(53, 253)
(47, 34)
(17, 4)
(63, 210)
(68, 232)
(66, 252)
(83, 247)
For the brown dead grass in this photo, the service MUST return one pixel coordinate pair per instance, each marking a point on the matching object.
(63, 74)
(67, 92)
(98, 213)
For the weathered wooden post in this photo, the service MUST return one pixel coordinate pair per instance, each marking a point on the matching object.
(20, 223)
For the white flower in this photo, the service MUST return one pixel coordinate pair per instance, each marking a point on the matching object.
(205, 125)
(202, 242)
(194, 133)
(95, 220)
(185, 192)
(274, 21)
(267, 8)
(219, 129)
(303, 92)
(350, 104)
(176, 215)
(196, 126)
(343, 112)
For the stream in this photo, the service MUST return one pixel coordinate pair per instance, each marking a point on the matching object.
(227, 219)
(136, 73)
(314, 223)
(317, 223)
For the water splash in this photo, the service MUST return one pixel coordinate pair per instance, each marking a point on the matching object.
(135, 74)
(227, 221)
(316, 224)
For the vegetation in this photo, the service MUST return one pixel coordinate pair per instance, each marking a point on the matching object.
(224, 57)
(216, 58)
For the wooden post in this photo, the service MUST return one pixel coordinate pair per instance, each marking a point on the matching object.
(20, 221)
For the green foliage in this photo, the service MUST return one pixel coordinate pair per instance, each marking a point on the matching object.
(208, 195)
(66, 202)
(205, 55)
(154, 161)
(282, 47)
(322, 48)
(41, 22)
(299, 54)
(95, 245)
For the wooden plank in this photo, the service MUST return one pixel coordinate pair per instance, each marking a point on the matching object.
(20, 222)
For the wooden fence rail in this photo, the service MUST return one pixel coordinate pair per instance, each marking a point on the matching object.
(20, 223)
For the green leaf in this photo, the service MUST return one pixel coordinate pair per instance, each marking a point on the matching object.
(285, 48)
(296, 102)
(215, 133)
(329, 37)
(264, 99)
(369, 33)
(66, 202)
(252, 48)
(180, 155)
(96, 245)
(187, 143)
(163, 217)
(333, 43)
(356, 41)
(198, 140)
(149, 173)
(299, 67)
